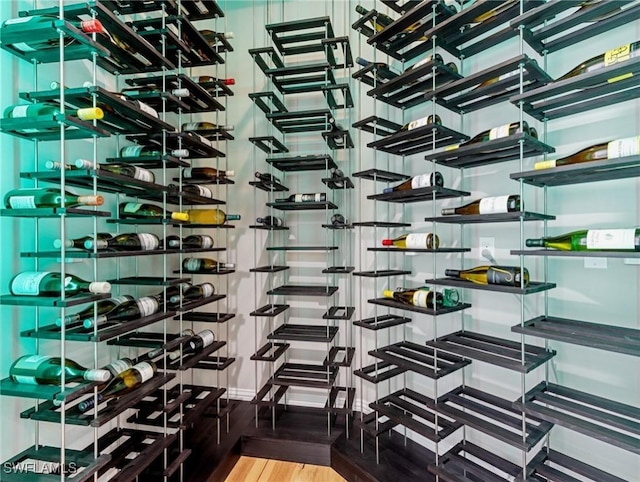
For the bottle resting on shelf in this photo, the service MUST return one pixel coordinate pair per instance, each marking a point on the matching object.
(78, 243)
(102, 308)
(204, 264)
(205, 173)
(487, 205)
(197, 241)
(417, 182)
(414, 241)
(381, 72)
(47, 370)
(149, 151)
(195, 344)
(266, 177)
(338, 220)
(493, 275)
(148, 211)
(610, 57)
(128, 170)
(125, 242)
(421, 122)
(304, 198)
(211, 216)
(629, 146)
(270, 221)
(127, 311)
(47, 283)
(47, 198)
(591, 240)
(422, 297)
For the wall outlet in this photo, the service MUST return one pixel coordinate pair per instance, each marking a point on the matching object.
(488, 244)
(597, 263)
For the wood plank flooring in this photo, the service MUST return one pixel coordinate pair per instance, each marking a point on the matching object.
(251, 469)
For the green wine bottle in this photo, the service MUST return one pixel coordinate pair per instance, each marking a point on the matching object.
(591, 240)
(103, 307)
(47, 370)
(46, 283)
(47, 198)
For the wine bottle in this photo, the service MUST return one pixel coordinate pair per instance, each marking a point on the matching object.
(172, 241)
(47, 370)
(381, 71)
(338, 220)
(124, 383)
(195, 344)
(47, 283)
(47, 198)
(211, 216)
(204, 264)
(487, 205)
(337, 133)
(270, 221)
(414, 241)
(117, 367)
(199, 241)
(193, 293)
(629, 146)
(207, 79)
(212, 36)
(205, 173)
(420, 63)
(196, 190)
(336, 180)
(493, 275)
(43, 109)
(417, 182)
(127, 311)
(304, 198)
(128, 170)
(498, 132)
(79, 242)
(611, 57)
(591, 240)
(149, 151)
(266, 177)
(423, 121)
(381, 21)
(125, 242)
(152, 89)
(102, 308)
(422, 297)
(148, 211)
(164, 297)
(495, 11)
(205, 126)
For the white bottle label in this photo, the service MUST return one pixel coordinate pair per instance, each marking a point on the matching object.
(145, 370)
(420, 298)
(207, 241)
(193, 264)
(418, 123)
(207, 337)
(119, 299)
(147, 306)
(22, 202)
(143, 175)
(207, 290)
(19, 110)
(28, 283)
(423, 180)
(204, 191)
(11, 21)
(148, 109)
(417, 241)
(148, 241)
(190, 126)
(132, 207)
(492, 205)
(131, 151)
(119, 366)
(611, 238)
(498, 132)
(187, 173)
(29, 363)
(203, 139)
(623, 147)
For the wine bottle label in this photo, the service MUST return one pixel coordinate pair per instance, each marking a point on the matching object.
(498, 132)
(206, 241)
(418, 123)
(417, 240)
(190, 126)
(19, 110)
(22, 202)
(118, 300)
(147, 306)
(148, 241)
(619, 54)
(148, 109)
(611, 238)
(204, 191)
(192, 264)
(423, 180)
(207, 290)
(302, 198)
(492, 205)
(420, 298)
(143, 175)
(131, 151)
(28, 283)
(118, 366)
(203, 139)
(132, 208)
(11, 21)
(187, 173)
(28, 364)
(207, 337)
(145, 370)
(623, 147)
(503, 276)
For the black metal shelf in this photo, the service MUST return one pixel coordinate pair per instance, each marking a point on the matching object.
(417, 250)
(47, 127)
(381, 322)
(336, 226)
(372, 424)
(202, 359)
(512, 217)
(532, 287)
(192, 305)
(576, 254)
(202, 9)
(198, 146)
(381, 176)
(492, 350)
(270, 310)
(150, 340)
(334, 398)
(549, 462)
(268, 144)
(156, 221)
(308, 162)
(304, 375)
(460, 464)
(595, 335)
(52, 213)
(301, 248)
(468, 94)
(338, 270)
(420, 139)
(52, 301)
(382, 273)
(379, 371)
(603, 419)
(205, 317)
(420, 194)
(70, 392)
(416, 412)
(303, 290)
(339, 139)
(606, 170)
(492, 415)
(269, 228)
(390, 303)
(381, 224)
(601, 87)
(339, 313)
(316, 120)
(148, 281)
(420, 359)
(268, 269)
(151, 162)
(269, 186)
(377, 126)
(268, 390)
(491, 152)
(270, 352)
(210, 272)
(302, 206)
(311, 333)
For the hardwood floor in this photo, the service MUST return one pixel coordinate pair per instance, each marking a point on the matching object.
(250, 469)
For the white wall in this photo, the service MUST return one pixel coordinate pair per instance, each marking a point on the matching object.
(600, 295)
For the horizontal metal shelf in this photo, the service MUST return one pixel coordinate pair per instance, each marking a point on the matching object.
(416, 412)
(550, 463)
(78, 254)
(269, 186)
(379, 371)
(206, 317)
(381, 175)
(491, 152)
(269, 144)
(381, 322)
(338, 270)
(192, 305)
(156, 221)
(270, 352)
(303, 290)
(331, 182)
(311, 333)
(417, 250)
(389, 303)
(47, 127)
(468, 94)
(606, 170)
(148, 281)
(492, 350)
(595, 335)
(199, 147)
(309, 162)
(492, 218)
(557, 253)
(150, 340)
(421, 139)
(420, 194)
(378, 126)
(68, 393)
(304, 375)
(340, 356)
(151, 162)
(301, 248)
(334, 398)
(210, 272)
(269, 310)
(492, 415)
(269, 395)
(337, 226)
(371, 424)
(269, 228)
(316, 120)
(382, 273)
(532, 287)
(339, 313)
(201, 359)
(52, 301)
(53, 213)
(382, 224)
(268, 269)
(420, 359)
(302, 206)
(603, 419)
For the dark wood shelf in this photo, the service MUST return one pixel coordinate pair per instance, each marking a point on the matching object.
(492, 415)
(420, 139)
(270, 310)
(311, 333)
(151, 340)
(331, 182)
(46, 392)
(338, 270)
(339, 313)
(492, 350)
(532, 287)
(390, 303)
(102, 254)
(47, 127)
(201, 359)
(309, 162)
(148, 281)
(301, 248)
(603, 419)
(557, 253)
(492, 218)
(269, 144)
(334, 399)
(192, 305)
(381, 175)
(376, 125)
(53, 213)
(269, 186)
(205, 317)
(269, 228)
(375, 424)
(549, 462)
(595, 335)
(269, 395)
(52, 301)
(270, 352)
(340, 139)
(304, 375)
(382, 224)
(302, 206)
(420, 194)
(381, 322)
(417, 250)
(268, 269)
(606, 170)
(199, 147)
(379, 371)
(316, 120)
(151, 162)
(340, 356)
(382, 273)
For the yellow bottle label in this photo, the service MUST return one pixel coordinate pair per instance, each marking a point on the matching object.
(615, 56)
(544, 165)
